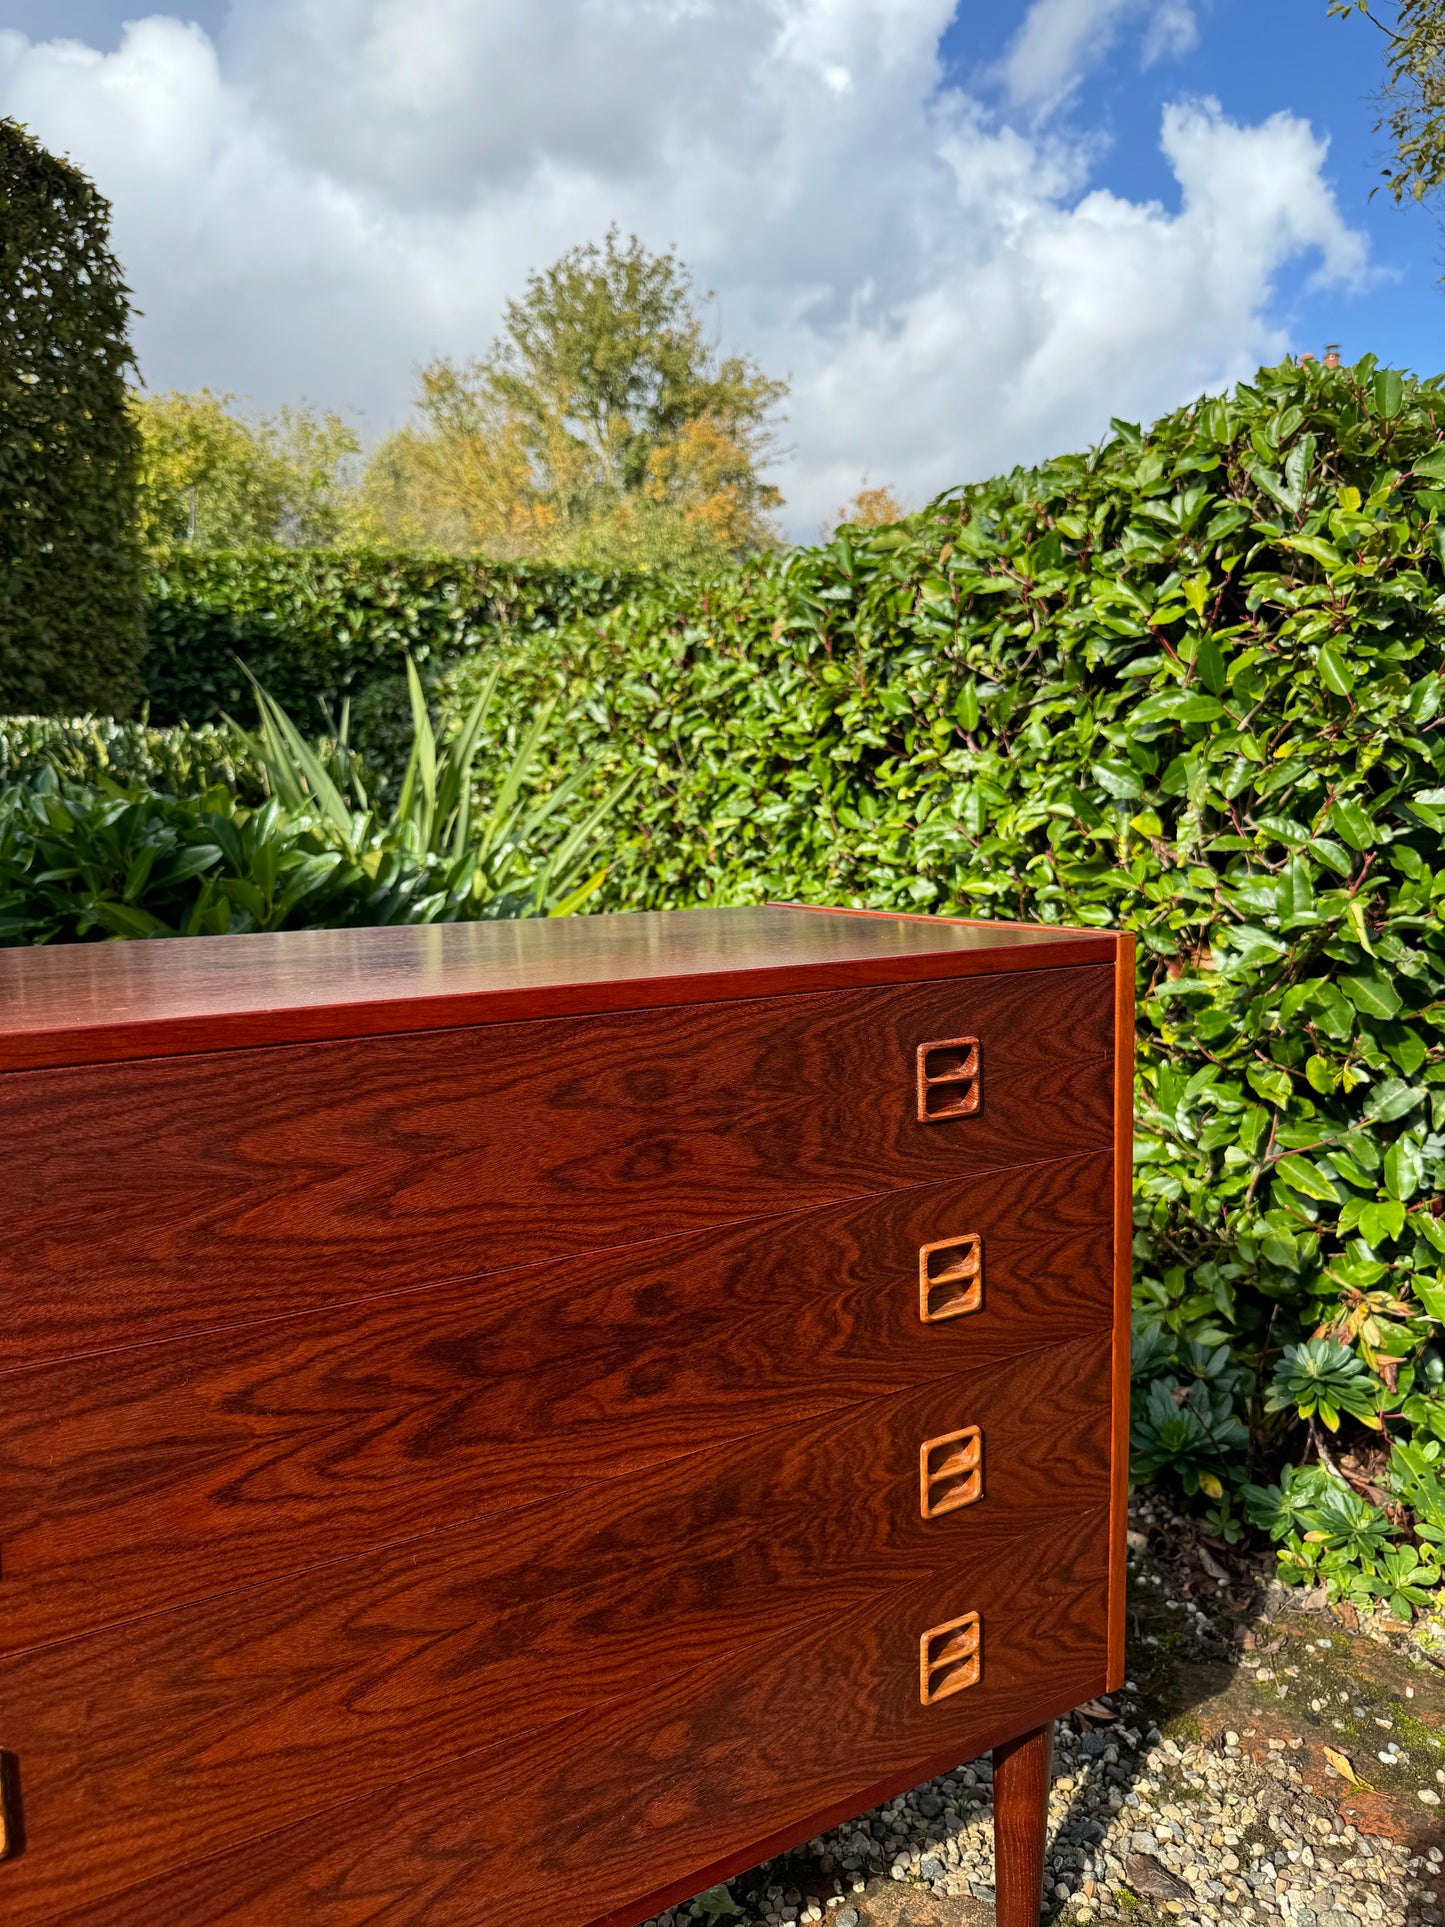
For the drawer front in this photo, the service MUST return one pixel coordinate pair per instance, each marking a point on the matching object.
(732, 1755)
(184, 1733)
(158, 1474)
(155, 1199)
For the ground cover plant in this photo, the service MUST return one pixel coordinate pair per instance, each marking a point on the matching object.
(1190, 683)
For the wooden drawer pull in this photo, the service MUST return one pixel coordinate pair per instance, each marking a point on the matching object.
(950, 1472)
(12, 1832)
(950, 1278)
(950, 1079)
(950, 1657)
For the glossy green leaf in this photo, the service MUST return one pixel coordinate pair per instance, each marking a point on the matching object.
(1404, 1169)
(1354, 823)
(1389, 392)
(1301, 1175)
(1335, 672)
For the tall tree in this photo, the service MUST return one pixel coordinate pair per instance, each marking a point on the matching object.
(607, 342)
(214, 480)
(871, 508)
(70, 557)
(602, 426)
(1413, 97)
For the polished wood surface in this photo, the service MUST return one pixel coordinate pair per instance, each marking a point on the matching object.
(213, 1724)
(603, 1816)
(97, 1003)
(1022, 1771)
(157, 1474)
(489, 1418)
(183, 1194)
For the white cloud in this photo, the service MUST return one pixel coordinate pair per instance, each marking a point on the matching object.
(347, 187)
(1106, 308)
(1172, 31)
(1061, 40)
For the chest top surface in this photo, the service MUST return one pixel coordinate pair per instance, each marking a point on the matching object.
(106, 1002)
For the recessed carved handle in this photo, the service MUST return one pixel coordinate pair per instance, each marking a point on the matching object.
(12, 1831)
(950, 1079)
(950, 1658)
(950, 1471)
(950, 1277)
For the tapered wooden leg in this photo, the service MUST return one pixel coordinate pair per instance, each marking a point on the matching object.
(1020, 1821)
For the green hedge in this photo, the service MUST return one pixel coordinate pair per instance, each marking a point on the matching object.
(1190, 683)
(85, 749)
(318, 626)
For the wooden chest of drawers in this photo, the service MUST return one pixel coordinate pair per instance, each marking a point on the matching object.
(515, 1423)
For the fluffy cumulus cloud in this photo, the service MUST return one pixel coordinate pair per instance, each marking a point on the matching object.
(330, 191)
(1060, 40)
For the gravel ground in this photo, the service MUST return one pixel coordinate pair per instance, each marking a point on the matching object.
(1262, 1765)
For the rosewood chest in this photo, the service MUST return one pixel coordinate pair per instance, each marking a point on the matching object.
(515, 1423)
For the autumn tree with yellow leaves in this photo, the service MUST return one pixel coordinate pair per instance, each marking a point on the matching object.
(212, 479)
(602, 427)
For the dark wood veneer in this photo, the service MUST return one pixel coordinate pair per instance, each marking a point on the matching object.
(149, 1477)
(162, 1198)
(476, 1405)
(763, 1736)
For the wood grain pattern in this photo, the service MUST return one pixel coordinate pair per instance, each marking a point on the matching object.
(156, 1741)
(1022, 1769)
(162, 1473)
(177, 1195)
(1123, 1297)
(101, 1003)
(602, 1818)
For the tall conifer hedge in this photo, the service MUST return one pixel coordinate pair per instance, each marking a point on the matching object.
(70, 562)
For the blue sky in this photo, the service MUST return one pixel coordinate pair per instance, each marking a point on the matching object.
(968, 234)
(1257, 57)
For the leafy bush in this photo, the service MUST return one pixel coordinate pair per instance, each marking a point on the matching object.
(70, 564)
(315, 626)
(1189, 683)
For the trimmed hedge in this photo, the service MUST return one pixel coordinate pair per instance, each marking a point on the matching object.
(87, 749)
(316, 626)
(70, 560)
(1190, 683)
